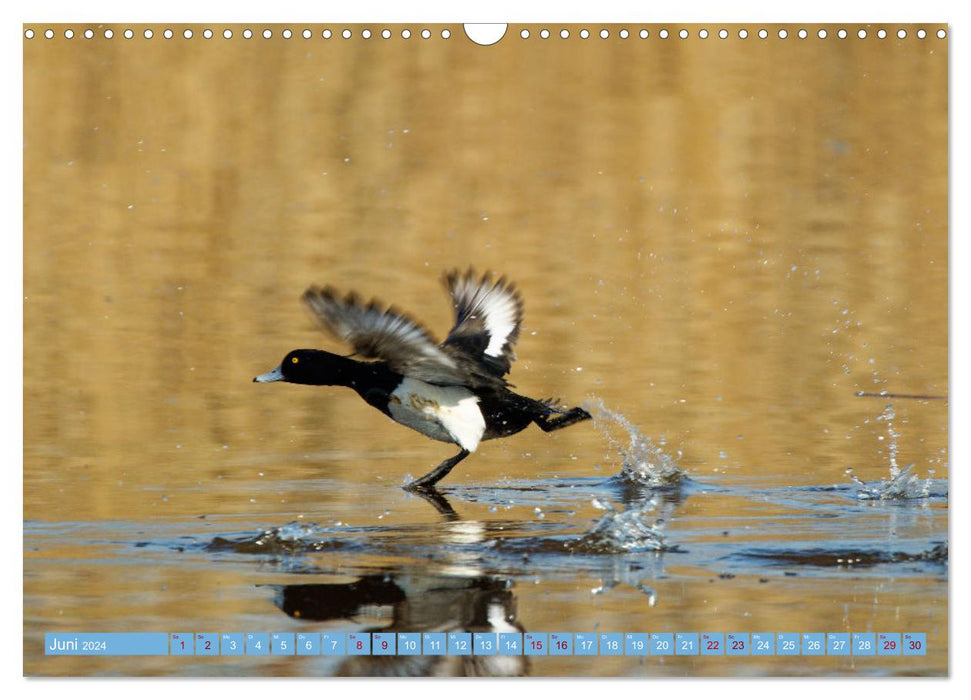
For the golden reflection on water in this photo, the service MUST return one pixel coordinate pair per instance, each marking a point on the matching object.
(723, 240)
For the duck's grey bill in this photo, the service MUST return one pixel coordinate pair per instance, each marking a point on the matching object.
(274, 375)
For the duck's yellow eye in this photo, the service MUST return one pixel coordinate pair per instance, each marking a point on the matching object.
(294, 360)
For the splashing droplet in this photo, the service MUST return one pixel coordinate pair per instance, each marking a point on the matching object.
(644, 463)
(631, 530)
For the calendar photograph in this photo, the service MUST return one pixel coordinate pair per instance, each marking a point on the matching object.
(522, 350)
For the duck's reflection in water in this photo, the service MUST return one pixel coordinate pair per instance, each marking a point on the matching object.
(434, 603)
(437, 500)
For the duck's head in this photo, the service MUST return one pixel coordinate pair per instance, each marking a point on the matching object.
(307, 367)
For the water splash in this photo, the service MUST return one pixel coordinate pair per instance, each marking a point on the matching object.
(293, 538)
(902, 484)
(644, 463)
(887, 416)
(631, 530)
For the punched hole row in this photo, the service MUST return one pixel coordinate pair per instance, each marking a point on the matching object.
(524, 34)
(245, 34)
(725, 33)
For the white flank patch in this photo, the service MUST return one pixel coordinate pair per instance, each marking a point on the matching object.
(446, 413)
(499, 313)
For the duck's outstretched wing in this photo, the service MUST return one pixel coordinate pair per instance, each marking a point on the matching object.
(488, 315)
(385, 334)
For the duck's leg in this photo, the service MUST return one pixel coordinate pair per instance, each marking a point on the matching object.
(551, 423)
(438, 473)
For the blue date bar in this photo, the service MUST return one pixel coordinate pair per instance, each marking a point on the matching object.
(106, 644)
(860, 644)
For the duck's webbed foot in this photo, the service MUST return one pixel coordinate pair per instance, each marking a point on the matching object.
(550, 423)
(438, 473)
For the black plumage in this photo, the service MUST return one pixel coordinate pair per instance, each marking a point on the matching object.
(455, 391)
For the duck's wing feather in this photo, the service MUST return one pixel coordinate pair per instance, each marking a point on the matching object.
(488, 315)
(375, 332)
